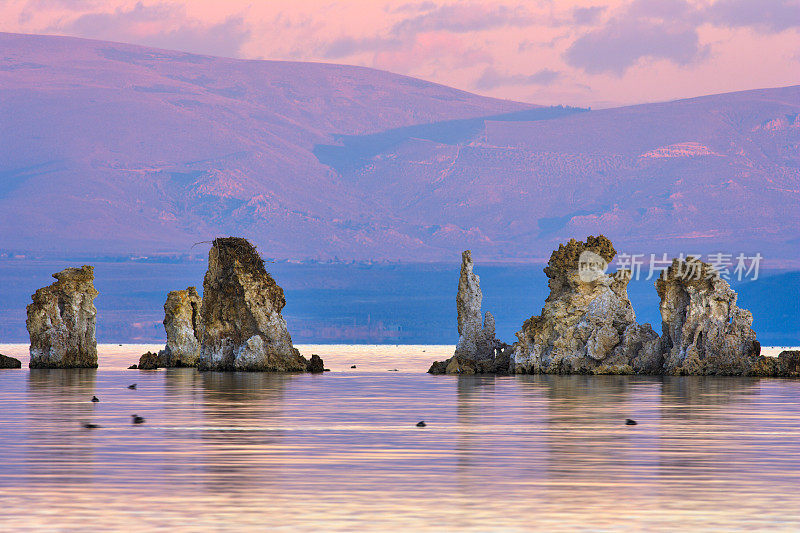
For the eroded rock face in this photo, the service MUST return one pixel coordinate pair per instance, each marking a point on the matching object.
(61, 321)
(704, 331)
(587, 325)
(243, 328)
(9, 362)
(476, 331)
(184, 326)
(478, 351)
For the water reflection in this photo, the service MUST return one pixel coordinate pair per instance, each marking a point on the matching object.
(242, 413)
(58, 403)
(233, 451)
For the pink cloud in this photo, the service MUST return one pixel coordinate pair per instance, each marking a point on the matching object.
(625, 50)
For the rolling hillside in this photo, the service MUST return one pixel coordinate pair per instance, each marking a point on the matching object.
(123, 149)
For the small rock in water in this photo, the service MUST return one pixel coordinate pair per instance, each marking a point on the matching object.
(315, 364)
(148, 361)
(353, 366)
(9, 362)
(136, 419)
(89, 425)
(95, 399)
(393, 370)
(421, 424)
(132, 367)
(132, 386)
(326, 369)
(630, 422)
(119, 345)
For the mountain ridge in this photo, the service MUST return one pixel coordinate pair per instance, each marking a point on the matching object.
(126, 149)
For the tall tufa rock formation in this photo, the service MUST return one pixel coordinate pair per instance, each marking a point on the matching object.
(184, 327)
(241, 314)
(587, 325)
(478, 351)
(476, 340)
(61, 321)
(703, 330)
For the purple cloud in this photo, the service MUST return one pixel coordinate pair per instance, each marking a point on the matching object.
(347, 46)
(451, 18)
(587, 15)
(764, 15)
(646, 29)
(621, 44)
(173, 29)
(463, 18)
(412, 7)
(491, 78)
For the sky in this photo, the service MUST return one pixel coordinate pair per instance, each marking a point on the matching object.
(599, 53)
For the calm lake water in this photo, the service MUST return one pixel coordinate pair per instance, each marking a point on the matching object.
(340, 451)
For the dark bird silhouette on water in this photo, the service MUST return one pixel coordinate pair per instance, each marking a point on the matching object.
(136, 419)
(353, 366)
(132, 386)
(95, 399)
(89, 425)
(421, 424)
(630, 422)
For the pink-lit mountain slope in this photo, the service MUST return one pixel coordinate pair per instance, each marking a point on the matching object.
(114, 147)
(712, 174)
(118, 148)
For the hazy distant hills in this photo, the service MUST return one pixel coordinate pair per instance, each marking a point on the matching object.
(125, 149)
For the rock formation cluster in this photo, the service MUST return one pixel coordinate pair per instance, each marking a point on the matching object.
(588, 325)
(242, 325)
(236, 325)
(61, 321)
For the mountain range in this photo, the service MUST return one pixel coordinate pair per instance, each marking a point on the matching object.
(123, 149)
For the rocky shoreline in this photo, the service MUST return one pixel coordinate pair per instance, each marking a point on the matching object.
(588, 325)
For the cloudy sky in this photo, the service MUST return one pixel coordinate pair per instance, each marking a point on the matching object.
(597, 53)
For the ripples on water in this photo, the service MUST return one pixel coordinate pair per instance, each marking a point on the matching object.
(340, 451)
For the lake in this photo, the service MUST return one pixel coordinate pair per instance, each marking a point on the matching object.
(360, 303)
(341, 450)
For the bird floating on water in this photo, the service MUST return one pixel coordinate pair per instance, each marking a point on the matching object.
(136, 419)
(89, 425)
(630, 422)
(421, 424)
(95, 399)
(132, 386)
(353, 366)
